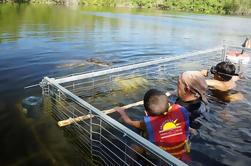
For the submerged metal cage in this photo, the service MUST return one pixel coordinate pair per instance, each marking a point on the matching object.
(100, 137)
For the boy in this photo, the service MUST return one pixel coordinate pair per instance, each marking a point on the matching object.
(223, 83)
(166, 125)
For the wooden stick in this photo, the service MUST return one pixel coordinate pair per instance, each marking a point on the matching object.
(69, 121)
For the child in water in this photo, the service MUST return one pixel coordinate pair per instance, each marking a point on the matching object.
(166, 125)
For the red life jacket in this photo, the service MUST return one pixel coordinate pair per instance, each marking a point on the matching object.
(169, 131)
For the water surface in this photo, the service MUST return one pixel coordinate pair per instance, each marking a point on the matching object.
(38, 41)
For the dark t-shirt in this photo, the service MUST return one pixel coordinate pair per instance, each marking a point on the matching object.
(196, 108)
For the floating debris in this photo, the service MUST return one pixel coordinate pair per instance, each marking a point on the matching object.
(98, 62)
(82, 63)
(73, 64)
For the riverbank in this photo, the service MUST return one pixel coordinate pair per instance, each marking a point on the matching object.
(227, 7)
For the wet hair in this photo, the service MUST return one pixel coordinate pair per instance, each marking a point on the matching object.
(152, 97)
(225, 70)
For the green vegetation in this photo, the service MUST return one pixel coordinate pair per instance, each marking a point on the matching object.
(199, 6)
(106, 3)
(241, 7)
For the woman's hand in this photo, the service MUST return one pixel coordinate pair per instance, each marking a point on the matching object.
(193, 131)
(204, 73)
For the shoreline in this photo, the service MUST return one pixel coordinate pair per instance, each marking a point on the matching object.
(129, 5)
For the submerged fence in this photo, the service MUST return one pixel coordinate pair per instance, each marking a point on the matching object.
(100, 137)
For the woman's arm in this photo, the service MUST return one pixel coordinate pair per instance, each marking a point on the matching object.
(204, 73)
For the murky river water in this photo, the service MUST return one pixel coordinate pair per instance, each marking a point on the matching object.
(38, 41)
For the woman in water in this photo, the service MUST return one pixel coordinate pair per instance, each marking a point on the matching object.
(191, 94)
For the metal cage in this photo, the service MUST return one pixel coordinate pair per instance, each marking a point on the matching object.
(102, 138)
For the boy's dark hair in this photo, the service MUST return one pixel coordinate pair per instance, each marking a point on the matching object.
(152, 97)
(225, 70)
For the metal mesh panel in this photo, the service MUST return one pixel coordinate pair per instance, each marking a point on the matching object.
(101, 137)
(101, 84)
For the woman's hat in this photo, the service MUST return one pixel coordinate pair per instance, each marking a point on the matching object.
(196, 82)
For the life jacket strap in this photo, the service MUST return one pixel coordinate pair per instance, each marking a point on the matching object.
(178, 153)
(174, 147)
(187, 147)
(169, 108)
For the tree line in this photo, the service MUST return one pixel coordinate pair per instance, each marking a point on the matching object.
(240, 7)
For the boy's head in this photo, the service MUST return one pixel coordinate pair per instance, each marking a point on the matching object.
(155, 102)
(224, 70)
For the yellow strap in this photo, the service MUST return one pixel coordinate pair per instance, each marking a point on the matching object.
(178, 153)
(174, 147)
(187, 147)
(169, 108)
